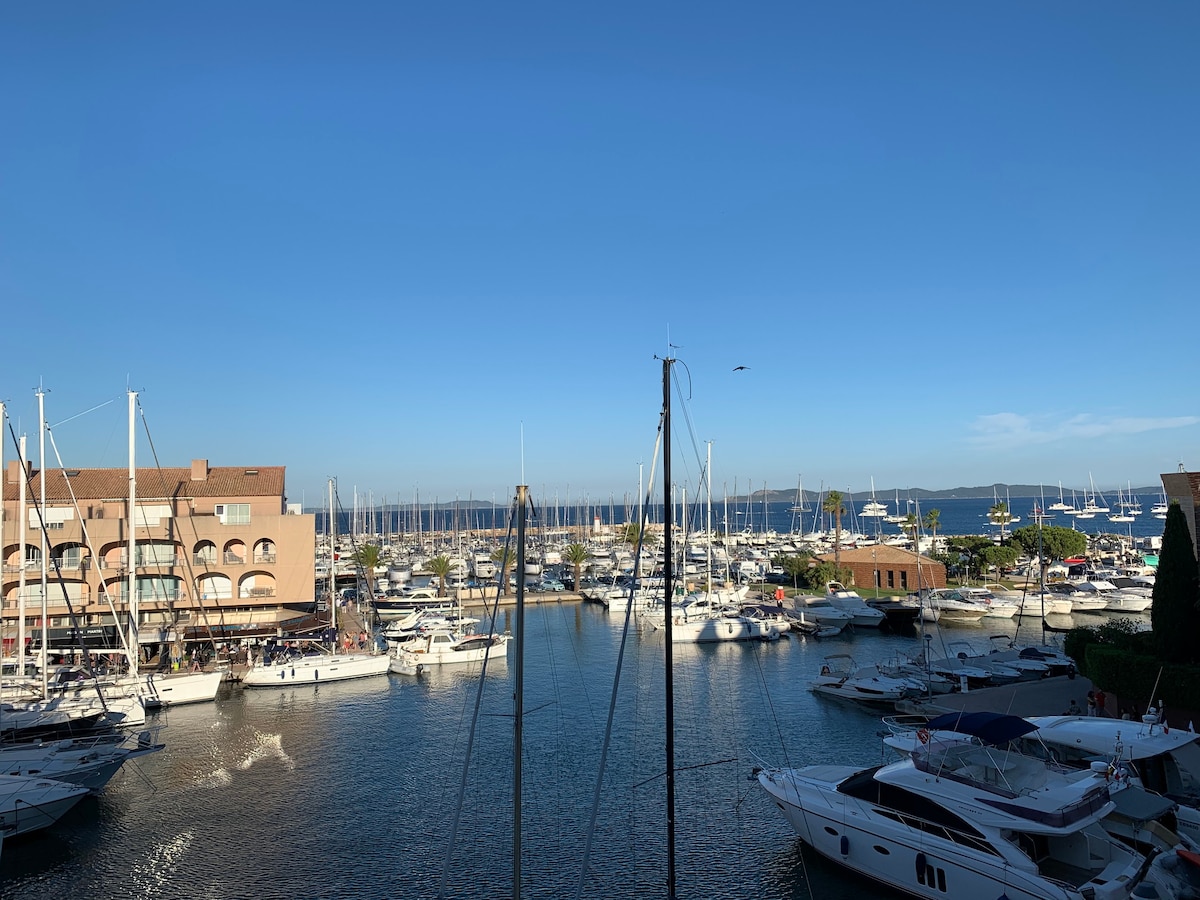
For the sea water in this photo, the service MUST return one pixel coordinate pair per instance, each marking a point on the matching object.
(364, 789)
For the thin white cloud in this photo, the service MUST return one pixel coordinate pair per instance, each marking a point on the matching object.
(1003, 430)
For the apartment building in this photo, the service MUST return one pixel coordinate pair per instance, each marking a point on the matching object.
(216, 553)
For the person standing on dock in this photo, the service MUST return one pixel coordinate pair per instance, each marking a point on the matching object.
(1101, 700)
(1091, 703)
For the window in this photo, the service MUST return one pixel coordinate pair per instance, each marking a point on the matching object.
(904, 579)
(233, 513)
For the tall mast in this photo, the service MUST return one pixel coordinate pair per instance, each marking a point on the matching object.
(41, 395)
(132, 648)
(708, 535)
(333, 602)
(668, 592)
(519, 688)
(22, 526)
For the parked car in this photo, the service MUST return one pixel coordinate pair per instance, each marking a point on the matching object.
(550, 584)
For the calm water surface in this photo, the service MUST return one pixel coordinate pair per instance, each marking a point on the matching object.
(351, 790)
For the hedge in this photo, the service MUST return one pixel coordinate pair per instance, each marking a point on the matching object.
(1132, 677)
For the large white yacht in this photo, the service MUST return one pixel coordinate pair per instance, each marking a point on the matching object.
(1160, 759)
(963, 820)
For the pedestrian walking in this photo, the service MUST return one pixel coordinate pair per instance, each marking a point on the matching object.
(1101, 702)
(1091, 703)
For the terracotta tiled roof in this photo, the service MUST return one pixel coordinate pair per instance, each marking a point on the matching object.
(879, 553)
(112, 484)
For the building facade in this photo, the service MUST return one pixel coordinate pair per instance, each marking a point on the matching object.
(890, 568)
(1184, 488)
(216, 553)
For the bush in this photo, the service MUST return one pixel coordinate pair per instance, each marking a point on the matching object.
(1122, 635)
(1140, 680)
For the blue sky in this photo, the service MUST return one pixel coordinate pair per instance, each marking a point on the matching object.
(437, 247)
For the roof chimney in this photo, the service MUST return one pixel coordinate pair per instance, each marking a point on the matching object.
(14, 470)
(199, 470)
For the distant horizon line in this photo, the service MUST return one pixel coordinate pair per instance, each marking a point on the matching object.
(775, 495)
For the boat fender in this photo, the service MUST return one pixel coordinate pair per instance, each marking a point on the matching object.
(844, 845)
(920, 866)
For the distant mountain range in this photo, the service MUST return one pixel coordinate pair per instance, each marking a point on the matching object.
(1002, 491)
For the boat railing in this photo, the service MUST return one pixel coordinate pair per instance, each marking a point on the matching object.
(905, 724)
(938, 829)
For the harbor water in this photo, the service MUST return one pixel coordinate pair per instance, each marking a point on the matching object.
(361, 789)
(956, 516)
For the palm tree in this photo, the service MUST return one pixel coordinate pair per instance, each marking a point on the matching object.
(504, 562)
(633, 531)
(366, 558)
(999, 515)
(910, 526)
(833, 504)
(440, 566)
(933, 519)
(576, 555)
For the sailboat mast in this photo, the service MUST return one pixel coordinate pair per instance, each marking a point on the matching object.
(333, 600)
(22, 525)
(668, 594)
(519, 689)
(132, 647)
(41, 397)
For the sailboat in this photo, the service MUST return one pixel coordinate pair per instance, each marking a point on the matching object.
(873, 509)
(156, 688)
(1125, 508)
(898, 518)
(1061, 505)
(309, 661)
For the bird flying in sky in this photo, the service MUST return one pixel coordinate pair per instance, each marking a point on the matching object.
(740, 368)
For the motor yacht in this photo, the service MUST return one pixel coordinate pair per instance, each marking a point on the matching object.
(962, 820)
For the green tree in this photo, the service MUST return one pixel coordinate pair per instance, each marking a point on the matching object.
(1173, 615)
(999, 515)
(1056, 543)
(832, 504)
(932, 522)
(440, 566)
(911, 526)
(366, 557)
(969, 549)
(796, 565)
(998, 556)
(633, 531)
(505, 559)
(577, 556)
(816, 577)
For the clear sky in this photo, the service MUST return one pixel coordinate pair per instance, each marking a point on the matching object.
(437, 247)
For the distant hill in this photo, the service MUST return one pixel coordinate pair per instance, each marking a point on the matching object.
(967, 493)
(885, 496)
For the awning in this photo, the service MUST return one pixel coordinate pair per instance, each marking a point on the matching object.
(989, 727)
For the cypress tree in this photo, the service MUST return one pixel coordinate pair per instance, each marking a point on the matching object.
(1173, 615)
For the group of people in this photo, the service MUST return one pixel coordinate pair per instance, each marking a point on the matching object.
(1097, 701)
(349, 642)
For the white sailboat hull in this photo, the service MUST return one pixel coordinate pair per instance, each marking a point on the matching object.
(184, 687)
(316, 670)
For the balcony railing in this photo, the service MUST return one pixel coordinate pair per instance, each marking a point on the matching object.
(232, 559)
(259, 592)
(264, 557)
(31, 565)
(149, 561)
(200, 559)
